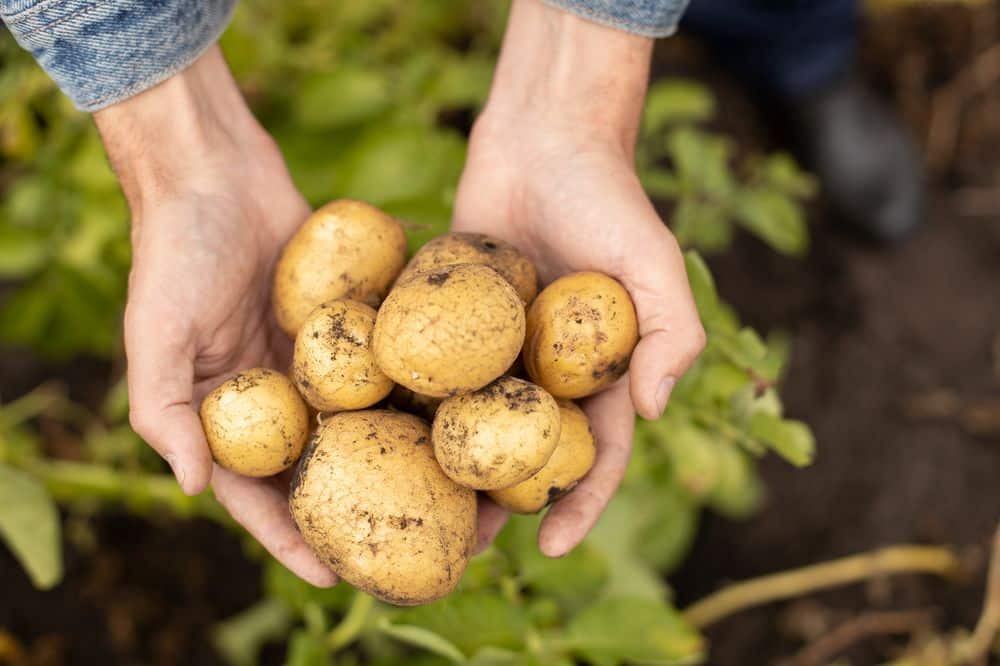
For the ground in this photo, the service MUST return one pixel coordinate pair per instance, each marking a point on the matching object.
(896, 366)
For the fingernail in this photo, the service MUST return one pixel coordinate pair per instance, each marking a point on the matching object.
(663, 393)
(176, 468)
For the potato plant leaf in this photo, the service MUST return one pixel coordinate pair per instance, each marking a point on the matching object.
(29, 524)
(422, 638)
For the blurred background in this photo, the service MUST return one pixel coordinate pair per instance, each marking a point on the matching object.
(849, 398)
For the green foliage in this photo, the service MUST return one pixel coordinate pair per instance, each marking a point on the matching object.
(371, 100)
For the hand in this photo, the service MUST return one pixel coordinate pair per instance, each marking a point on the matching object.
(550, 170)
(212, 206)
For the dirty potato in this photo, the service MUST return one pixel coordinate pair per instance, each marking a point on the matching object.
(372, 503)
(468, 248)
(581, 331)
(333, 365)
(498, 436)
(256, 424)
(449, 331)
(346, 249)
(573, 457)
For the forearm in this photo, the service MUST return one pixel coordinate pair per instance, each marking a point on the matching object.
(173, 134)
(561, 70)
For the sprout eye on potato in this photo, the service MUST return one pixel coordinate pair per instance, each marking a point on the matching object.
(468, 248)
(372, 503)
(255, 424)
(346, 249)
(449, 331)
(498, 436)
(572, 458)
(581, 330)
(333, 365)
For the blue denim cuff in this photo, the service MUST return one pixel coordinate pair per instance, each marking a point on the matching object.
(103, 51)
(648, 18)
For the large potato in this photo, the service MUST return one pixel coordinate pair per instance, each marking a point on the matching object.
(467, 248)
(333, 365)
(449, 331)
(573, 457)
(256, 424)
(346, 249)
(498, 436)
(372, 503)
(581, 331)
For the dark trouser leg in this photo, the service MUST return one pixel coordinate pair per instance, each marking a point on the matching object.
(784, 47)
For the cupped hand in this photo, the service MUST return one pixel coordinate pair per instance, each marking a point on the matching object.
(570, 199)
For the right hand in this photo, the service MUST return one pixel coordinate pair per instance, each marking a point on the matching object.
(212, 206)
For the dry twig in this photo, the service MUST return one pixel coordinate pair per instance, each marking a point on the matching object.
(856, 629)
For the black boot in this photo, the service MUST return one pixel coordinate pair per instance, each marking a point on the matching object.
(869, 169)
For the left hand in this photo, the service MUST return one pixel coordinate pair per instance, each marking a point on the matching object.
(553, 176)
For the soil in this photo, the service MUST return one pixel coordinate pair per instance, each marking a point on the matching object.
(896, 366)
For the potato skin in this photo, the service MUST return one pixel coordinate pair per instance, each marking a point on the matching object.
(346, 249)
(449, 331)
(573, 457)
(498, 436)
(372, 503)
(333, 365)
(255, 424)
(581, 331)
(459, 247)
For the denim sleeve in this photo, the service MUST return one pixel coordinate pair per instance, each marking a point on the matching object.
(649, 18)
(103, 51)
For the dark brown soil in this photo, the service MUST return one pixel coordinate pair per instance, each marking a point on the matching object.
(882, 340)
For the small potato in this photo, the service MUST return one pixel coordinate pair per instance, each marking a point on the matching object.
(372, 503)
(498, 436)
(346, 249)
(572, 459)
(449, 331)
(256, 424)
(467, 248)
(581, 331)
(333, 366)
(406, 400)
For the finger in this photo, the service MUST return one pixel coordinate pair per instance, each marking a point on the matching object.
(571, 518)
(492, 518)
(160, 383)
(671, 334)
(262, 509)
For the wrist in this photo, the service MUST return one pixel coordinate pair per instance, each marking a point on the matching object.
(169, 137)
(559, 70)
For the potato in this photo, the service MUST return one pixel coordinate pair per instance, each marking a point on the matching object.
(333, 365)
(372, 503)
(467, 248)
(449, 331)
(498, 436)
(573, 457)
(346, 249)
(256, 424)
(406, 400)
(581, 331)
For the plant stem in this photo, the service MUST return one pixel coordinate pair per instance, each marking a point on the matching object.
(354, 621)
(977, 648)
(786, 585)
(30, 405)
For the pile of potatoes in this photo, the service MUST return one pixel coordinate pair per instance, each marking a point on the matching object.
(428, 381)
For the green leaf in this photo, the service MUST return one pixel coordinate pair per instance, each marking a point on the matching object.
(702, 283)
(422, 638)
(240, 638)
(738, 491)
(306, 649)
(470, 621)
(792, 440)
(781, 172)
(29, 524)
(22, 251)
(667, 536)
(346, 96)
(693, 455)
(461, 82)
(634, 630)
(671, 101)
(702, 162)
(703, 224)
(775, 219)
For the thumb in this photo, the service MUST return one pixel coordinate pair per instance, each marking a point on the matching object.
(161, 385)
(671, 334)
